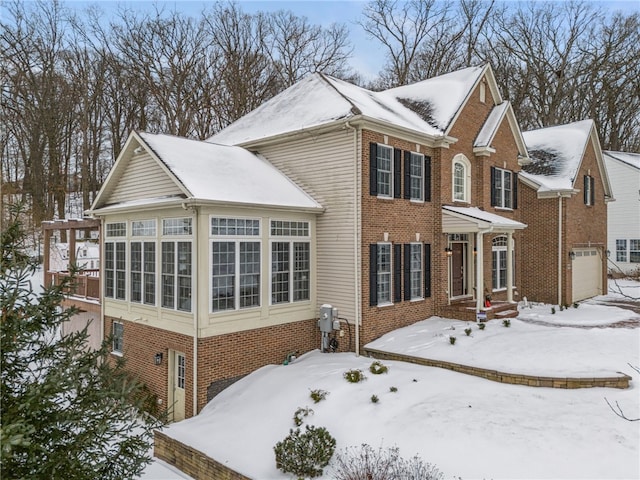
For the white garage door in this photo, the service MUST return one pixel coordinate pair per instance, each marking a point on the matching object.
(587, 274)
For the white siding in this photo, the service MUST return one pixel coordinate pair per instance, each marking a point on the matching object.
(623, 215)
(325, 166)
(142, 178)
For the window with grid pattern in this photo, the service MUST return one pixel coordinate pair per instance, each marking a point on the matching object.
(384, 273)
(416, 271)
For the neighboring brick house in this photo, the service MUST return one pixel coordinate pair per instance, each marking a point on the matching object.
(390, 206)
(564, 199)
(624, 214)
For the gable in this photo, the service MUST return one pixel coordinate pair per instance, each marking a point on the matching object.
(142, 178)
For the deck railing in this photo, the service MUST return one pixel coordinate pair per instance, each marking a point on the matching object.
(86, 284)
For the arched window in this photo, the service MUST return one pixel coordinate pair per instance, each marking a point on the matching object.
(461, 179)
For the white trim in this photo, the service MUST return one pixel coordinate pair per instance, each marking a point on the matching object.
(466, 164)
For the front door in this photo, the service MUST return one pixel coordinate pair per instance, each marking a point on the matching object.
(177, 373)
(457, 270)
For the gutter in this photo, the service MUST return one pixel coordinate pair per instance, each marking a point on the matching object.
(559, 249)
(194, 274)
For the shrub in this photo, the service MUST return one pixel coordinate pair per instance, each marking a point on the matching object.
(467, 331)
(374, 399)
(506, 322)
(300, 414)
(452, 340)
(318, 395)
(575, 305)
(377, 368)
(553, 310)
(305, 453)
(365, 463)
(393, 389)
(481, 326)
(354, 376)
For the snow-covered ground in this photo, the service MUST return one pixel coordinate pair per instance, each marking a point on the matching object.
(467, 426)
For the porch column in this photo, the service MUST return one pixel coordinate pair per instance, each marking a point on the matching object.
(509, 266)
(479, 271)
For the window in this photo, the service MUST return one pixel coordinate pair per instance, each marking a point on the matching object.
(621, 250)
(116, 229)
(384, 273)
(415, 171)
(181, 371)
(143, 272)
(384, 161)
(589, 190)
(499, 263)
(176, 275)
(117, 337)
(413, 271)
(503, 188)
(634, 251)
(461, 171)
(143, 228)
(235, 264)
(290, 262)
(235, 268)
(177, 226)
(385, 171)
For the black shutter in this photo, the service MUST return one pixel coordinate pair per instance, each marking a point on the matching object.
(515, 190)
(494, 174)
(407, 271)
(593, 190)
(373, 274)
(427, 179)
(373, 168)
(397, 273)
(397, 173)
(585, 190)
(407, 174)
(427, 270)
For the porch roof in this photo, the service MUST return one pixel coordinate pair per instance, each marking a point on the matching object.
(472, 220)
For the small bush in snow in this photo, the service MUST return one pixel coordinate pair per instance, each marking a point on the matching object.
(506, 322)
(365, 463)
(354, 376)
(575, 305)
(318, 395)
(452, 340)
(377, 368)
(298, 417)
(467, 331)
(393, 389)
(306, 453)
(374, 399)
(553, 310)
(481, 326)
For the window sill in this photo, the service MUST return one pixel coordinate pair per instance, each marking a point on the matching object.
(384, 197)
(415, 200)
(417, 299)
(117, 354)
(461, 201)
(504, 209)
(384, 305)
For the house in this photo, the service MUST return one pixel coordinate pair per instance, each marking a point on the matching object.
(624, 214)
(564, 197)
(369, 209)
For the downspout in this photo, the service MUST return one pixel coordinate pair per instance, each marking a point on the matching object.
(356, 230)
(559, 249)
(194, 274)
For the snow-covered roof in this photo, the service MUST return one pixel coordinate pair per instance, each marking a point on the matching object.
(223, 173)
(484, 219)
(490, 127)
(427, 107)
(556, 154)
(631, 159)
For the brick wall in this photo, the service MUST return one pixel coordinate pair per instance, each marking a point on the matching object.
(222, 359)
(401, 219)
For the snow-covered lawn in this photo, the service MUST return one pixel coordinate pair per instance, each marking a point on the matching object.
(467, 426)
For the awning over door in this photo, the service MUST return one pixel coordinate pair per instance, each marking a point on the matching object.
(472, 219)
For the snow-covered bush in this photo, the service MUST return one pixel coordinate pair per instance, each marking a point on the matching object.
(306, 453)
(377, 368)
(354, 375)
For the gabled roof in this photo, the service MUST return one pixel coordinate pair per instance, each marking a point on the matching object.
(208, 172)
(556, 155)
(630, 159)
(483, 142)
(428, 108)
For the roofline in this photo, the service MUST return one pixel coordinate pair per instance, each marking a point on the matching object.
(360, 120)
(484, 224)
(554, 193)
(186, 203)
(610, 154)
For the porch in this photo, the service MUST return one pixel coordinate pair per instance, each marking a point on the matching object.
(466, 310)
